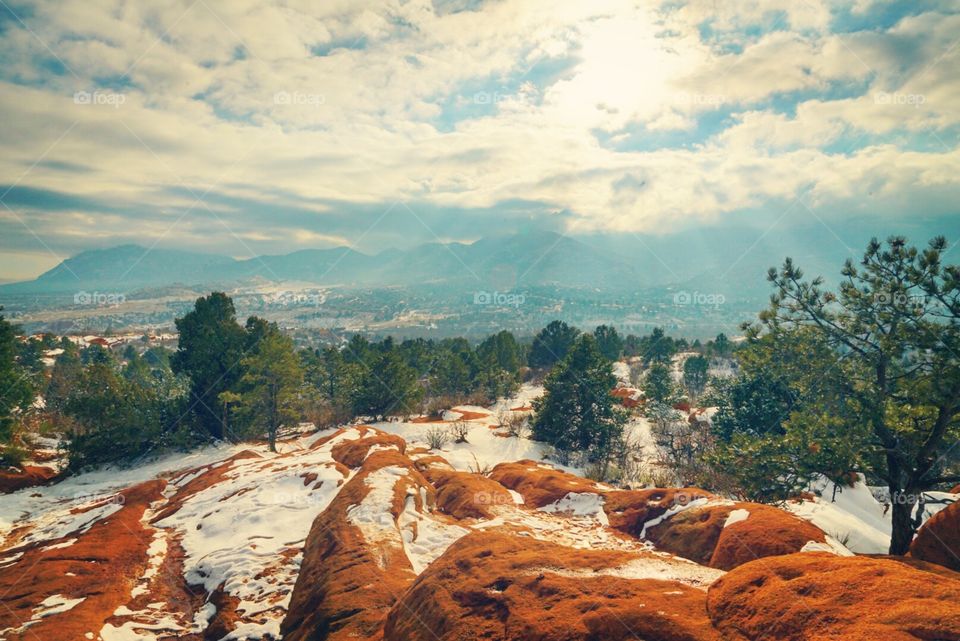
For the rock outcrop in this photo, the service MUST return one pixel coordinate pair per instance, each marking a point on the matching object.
(938, 541)
(725, 536)
(26, 476)
(501, 586)
(821, 597)
(354, 567)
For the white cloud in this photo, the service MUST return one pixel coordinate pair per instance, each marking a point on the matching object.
(392, 113)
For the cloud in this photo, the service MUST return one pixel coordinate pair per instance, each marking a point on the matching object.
(246, 126)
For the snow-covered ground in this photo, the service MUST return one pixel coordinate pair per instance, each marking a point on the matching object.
(853, 516)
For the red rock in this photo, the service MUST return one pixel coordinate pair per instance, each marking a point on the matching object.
(822, 597)
(353, 452)
(700, 534)
(347, 584)
(630, 510)
(495, 586)
(466, 495)
(938, 540)
(538, 484)
(28, 476)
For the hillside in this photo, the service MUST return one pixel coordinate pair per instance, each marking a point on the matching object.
(365, 532)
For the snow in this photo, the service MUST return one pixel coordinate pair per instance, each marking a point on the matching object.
(832, 546)
(247, 531)
(736, 516)
(47, 508)
(53, 604)
(580, 504)
(484, 448)
(622, 372)
(676, 509)
(854, 516)
(425, 538)
(651, 566)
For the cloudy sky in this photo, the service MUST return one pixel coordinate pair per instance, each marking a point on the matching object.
(248, 127)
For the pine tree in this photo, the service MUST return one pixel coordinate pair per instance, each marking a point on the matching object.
(695, 374)
(552, 343)
(577, 412)
(272, 376)
(16, 386)
(658, 385)
(609, 341)
(209, 351)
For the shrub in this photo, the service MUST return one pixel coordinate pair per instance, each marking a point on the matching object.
(437, 437)
(460, 430)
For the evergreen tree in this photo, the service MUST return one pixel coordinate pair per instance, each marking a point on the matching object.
(695, 374)
(721, 345)
(64, 375)
(658, 347)
(577, 411)
(387, 386)
(16, 385)
(209, 351)
(271, 379)
(503, 350)
(609, 341)
(658, 385)
(552, 343)
(894, 327)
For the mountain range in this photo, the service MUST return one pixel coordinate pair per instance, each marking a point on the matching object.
(728, 260)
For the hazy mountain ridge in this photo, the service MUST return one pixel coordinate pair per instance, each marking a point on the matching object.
(731, 261)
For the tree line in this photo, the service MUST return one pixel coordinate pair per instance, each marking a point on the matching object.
(228, 380)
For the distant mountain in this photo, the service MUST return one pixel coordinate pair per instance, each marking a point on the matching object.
(728, 260)
(507, 263)
(125, 268)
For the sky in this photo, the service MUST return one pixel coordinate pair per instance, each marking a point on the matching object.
(247, 128)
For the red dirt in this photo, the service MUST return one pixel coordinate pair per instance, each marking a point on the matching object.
(628, 397)
(105, 562)
(471, 416)
(28, 476)
(352, 453)
(699, 534)
(346, 584)
(539, 485)
(494, 586)
(938, 541)
(955, 490)
(821, 597)
(522, 408)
